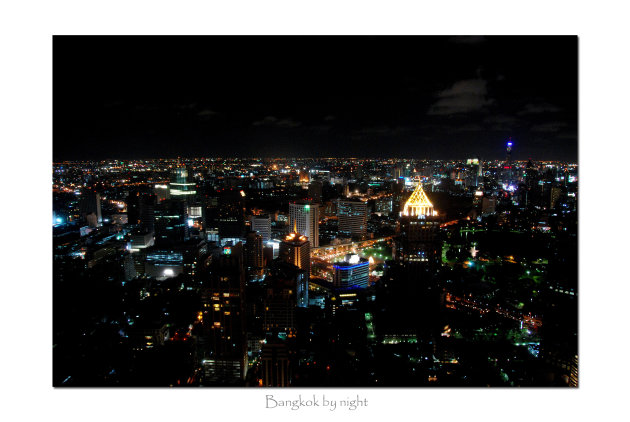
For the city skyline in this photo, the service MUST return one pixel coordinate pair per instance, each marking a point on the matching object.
(188, 252)
(364, 260)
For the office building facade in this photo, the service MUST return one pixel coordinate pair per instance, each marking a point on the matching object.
(352, 217)
(304, 220)
(352, 272)
(296, 250)
(261, 224)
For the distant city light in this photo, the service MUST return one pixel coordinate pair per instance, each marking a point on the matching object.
(152, 239)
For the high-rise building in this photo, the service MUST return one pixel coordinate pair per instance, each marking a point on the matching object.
(352, 272)
(147, 213)
(276, 368)
(229, 215)
(261, 224)
(419, 225)
(133, 207)
(90, 203)
(383, 206)
(287, 289)
(171, 222)
(141, 240)
(162, 192)
(224, 340)
(507, 175)
(418, 241)
(488, 205)
(358, 171)
(556, 193)
(304, 219)
(141, 211)
(418, 204)
(352, 217)
(181, 184)
(129, 267)
(253, 254)
(474, 173)
(295, 249)
(315, 191)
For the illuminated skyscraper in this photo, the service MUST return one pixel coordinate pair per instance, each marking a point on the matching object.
(296, 250)
(261, 224)
(171, 222)
(352, 216)
(254, 254)
(352, 272)
(383, 206)
(230, 217)
(287, 289)
(474, 175)
(161, 192)
(181, 184)
(419, 226)
(304, 219)
(224, 356)
(418, 204)
(141, 211)
(508, 167)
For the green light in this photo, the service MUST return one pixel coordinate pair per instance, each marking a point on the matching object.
(307, 207)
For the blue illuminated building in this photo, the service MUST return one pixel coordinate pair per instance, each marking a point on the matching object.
(353, 272)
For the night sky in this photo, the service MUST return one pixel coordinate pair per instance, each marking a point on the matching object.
(413, 97)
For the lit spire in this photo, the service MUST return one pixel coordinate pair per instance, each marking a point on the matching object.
(418, 204)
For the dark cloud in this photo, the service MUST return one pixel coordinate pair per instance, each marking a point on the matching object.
(208, 115)
(463, 97)
(272, 121)
(538, 108)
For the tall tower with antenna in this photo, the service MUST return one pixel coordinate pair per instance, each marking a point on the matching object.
(508, 173)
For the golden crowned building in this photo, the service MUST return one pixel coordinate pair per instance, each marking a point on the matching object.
(418, 204)
(419, 226)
